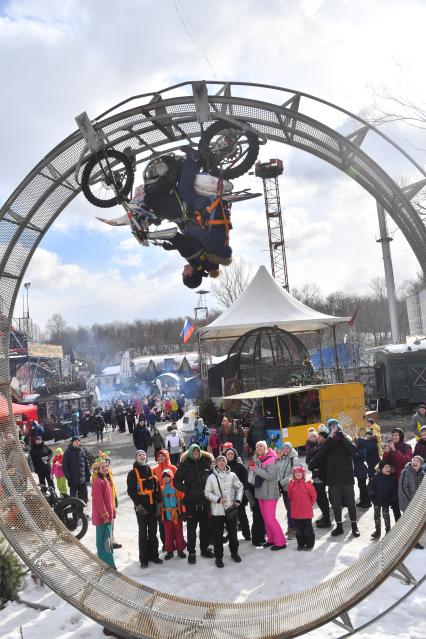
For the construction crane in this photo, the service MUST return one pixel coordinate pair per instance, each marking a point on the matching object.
(270, 172)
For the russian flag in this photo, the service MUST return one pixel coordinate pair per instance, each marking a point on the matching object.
(188, 329)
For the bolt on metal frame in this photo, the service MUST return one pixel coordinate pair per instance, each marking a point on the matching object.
(156, 122)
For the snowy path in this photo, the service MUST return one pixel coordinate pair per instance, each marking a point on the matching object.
(261, 575)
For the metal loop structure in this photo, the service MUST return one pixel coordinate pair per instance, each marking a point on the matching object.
(153, 123)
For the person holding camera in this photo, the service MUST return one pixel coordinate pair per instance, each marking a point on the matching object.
(337, 454)
(225, 493)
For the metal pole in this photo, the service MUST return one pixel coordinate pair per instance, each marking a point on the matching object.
(336, 355)
(385, 241)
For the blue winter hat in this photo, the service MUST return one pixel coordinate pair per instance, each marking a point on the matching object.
(287, 445)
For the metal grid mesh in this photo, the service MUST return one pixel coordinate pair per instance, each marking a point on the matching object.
(26, 518)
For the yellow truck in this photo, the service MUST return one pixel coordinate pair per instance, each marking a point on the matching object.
(292, 411)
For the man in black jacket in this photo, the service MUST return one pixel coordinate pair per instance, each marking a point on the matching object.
(319, 478)
(237, 467)
(337, 453)
(144, 490)
(40, 456)
(76, 469)
(190, 478)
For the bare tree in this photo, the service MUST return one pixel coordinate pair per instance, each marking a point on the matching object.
(232, 282)
(56, 328)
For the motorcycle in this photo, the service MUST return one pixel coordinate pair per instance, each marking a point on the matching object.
(70, 511)
(227, 149)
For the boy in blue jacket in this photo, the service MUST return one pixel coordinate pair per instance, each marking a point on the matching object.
(383, 491)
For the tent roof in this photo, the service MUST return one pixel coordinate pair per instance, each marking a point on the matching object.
(265, 303)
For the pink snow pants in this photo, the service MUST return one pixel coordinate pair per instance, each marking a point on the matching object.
(274, 532)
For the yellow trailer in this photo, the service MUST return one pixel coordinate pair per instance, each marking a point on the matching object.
(290, 412)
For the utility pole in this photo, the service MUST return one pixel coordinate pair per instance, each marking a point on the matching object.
(270, 172)
(385, 241)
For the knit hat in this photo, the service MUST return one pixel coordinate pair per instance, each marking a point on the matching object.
(287, 445)
(423, 428)
(400, 433)
(75, 438)
(221, 457)
(58, 451)
(369, 431)
(420, 458)
(322, 428)
(382, 463)
(299, 469)
(323, 433)
(227, 446)
(421, 405)
(370, 420)
(168, 471)
(231, 450)
(141, 451)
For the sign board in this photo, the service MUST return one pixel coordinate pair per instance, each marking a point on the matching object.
(49, 351)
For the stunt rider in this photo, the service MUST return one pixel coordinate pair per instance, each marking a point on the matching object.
(205, 241)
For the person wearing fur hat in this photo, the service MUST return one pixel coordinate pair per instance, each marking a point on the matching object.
(265, 469)
(418, 419)
(236, 466)
(190, 479)
(337, 454)
(302, 496)
(171, 516)
(397, 452)
(144, 490)
(286, 463)
(420, 447)
(224, 491)
(103, 511)
(58, 472)
(318, 470)
(383, 492)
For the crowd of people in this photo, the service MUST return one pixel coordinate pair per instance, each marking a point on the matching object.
(209, 487)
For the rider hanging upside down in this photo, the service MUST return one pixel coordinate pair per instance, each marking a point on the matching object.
(205, 239)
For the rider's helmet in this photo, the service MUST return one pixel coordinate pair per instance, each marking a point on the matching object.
(194, 280)
(159, 167)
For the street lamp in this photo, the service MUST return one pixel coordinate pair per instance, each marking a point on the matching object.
(27, 286)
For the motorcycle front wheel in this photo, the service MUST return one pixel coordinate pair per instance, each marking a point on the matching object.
(107, 178)
(227, 150)
(74, 518)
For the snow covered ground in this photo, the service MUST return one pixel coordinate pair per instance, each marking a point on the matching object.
(261, 575)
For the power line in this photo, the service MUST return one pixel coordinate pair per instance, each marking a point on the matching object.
(179, 12)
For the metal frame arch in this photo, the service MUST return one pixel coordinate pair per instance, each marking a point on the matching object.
(36, 534)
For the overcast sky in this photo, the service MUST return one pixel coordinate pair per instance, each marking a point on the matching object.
(60, 58)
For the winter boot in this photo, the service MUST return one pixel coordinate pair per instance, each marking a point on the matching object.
(181, 554)
(219, 563)
(376, 534)
(192, 558)
(207, 553)
(236, 557)
(168, 556)
(323, 523)
(338, 530)
(355, 531)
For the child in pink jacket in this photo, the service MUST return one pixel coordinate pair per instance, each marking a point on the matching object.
(302, 496)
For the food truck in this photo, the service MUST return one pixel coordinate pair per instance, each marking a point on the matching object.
(290, 412)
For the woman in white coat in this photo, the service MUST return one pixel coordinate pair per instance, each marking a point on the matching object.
(224, 491)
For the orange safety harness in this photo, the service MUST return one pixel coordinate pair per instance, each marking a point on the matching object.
(141, 489)
(224, 221)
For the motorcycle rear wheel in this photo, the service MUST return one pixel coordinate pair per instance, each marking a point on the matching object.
(104, 185)
(74, 518)
(234, 161)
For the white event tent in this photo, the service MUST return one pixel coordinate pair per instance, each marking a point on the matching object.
(265, 303)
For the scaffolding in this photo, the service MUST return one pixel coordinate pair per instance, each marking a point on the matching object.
(201, 314)
(270, 172)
